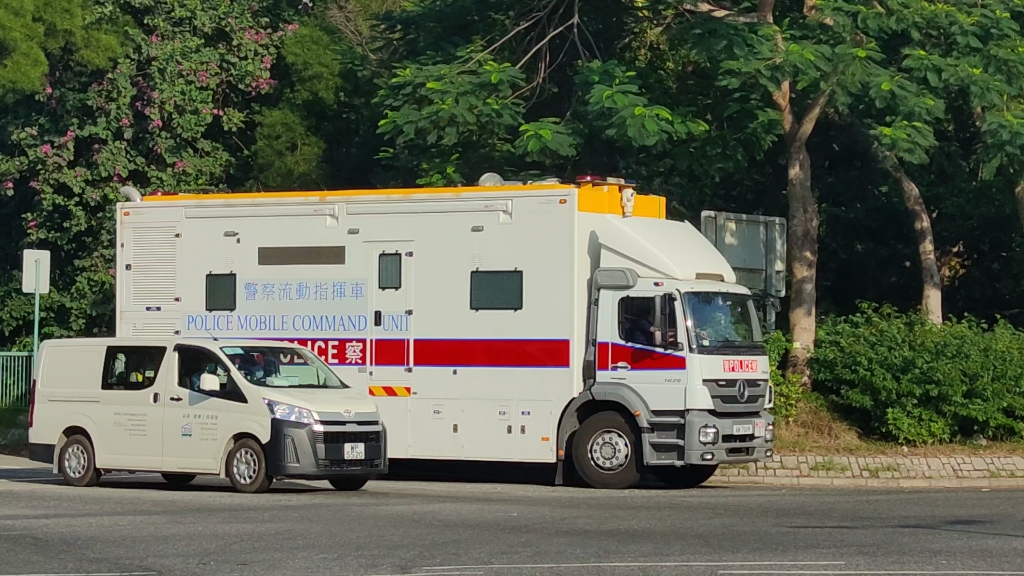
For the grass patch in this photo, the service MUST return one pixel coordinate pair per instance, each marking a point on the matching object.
(829, 465)
(812, 429)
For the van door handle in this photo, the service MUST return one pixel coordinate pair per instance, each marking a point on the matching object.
(621, 366)
(175, 398)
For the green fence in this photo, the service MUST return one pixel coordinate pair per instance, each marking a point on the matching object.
(15, 379)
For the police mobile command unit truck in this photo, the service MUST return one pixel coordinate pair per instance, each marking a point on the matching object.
(540, 322)
(250, 411)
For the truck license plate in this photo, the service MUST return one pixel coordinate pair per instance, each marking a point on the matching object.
(355, 451)
(759, 426)
(743, 429)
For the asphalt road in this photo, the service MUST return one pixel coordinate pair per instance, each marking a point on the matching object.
(139, 525)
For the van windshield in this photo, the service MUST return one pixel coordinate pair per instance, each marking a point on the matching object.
(280, 367)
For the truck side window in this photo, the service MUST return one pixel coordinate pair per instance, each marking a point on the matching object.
(194, 362)
(221, 294)
(132, 367)
(636, 320)
(389, 271)
(496, 290)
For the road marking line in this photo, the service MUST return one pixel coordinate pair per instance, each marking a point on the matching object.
(432, 574)
(91, 574)
(879, 572)
(636, 564)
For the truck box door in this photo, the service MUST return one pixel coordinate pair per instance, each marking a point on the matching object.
(391, 340)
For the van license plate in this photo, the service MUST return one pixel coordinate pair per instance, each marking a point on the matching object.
(743, 429)
(355, 451)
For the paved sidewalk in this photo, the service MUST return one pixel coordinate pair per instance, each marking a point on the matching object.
(17, 462)
(881, 471)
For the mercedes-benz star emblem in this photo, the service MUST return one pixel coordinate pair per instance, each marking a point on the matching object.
(741, 391)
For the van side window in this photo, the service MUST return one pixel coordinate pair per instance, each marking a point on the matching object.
(194, 362)
(132, 367)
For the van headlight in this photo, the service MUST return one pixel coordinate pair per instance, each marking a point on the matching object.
(282, 411)
(708, 434)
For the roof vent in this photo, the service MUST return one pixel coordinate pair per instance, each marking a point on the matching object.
(491, 179)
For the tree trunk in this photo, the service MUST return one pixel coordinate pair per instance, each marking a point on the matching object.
(931, 280)
(802, 249)
(1018, 195)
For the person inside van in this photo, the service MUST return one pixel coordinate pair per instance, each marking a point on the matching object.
(641, 329)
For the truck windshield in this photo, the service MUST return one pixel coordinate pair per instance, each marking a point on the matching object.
(723, 322)
(279, 367)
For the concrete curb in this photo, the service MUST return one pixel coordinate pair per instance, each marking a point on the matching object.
(869, 482)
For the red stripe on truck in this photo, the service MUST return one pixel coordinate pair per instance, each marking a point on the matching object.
(610, 353)
(491, 353)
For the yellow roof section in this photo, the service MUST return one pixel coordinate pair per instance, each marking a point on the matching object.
(600, 199)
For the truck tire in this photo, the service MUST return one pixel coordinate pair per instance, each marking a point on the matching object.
(348, 483)
(604, 452)
(178, 479)
(690, 476)
(77, 462)
(247, 467)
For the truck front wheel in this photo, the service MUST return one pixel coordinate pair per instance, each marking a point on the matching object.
(686, 476)
(604, 452)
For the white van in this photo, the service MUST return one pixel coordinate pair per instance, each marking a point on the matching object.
(251, 411)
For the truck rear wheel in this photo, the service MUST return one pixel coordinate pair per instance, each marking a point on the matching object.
(686, 476)
(604, 452)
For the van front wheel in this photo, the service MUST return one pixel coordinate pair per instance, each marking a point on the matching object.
(247, 467)
(77, 462)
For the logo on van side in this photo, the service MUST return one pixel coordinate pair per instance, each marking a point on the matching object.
(186, 430)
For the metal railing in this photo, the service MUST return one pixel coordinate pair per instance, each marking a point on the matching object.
(15, 379)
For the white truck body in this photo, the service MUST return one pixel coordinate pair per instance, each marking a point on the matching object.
(469, 313)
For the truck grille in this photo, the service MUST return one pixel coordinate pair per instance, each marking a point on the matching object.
(725, 395)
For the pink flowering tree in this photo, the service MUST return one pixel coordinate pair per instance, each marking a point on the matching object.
(172, 113)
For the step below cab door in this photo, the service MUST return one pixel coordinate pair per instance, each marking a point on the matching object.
(639, 345)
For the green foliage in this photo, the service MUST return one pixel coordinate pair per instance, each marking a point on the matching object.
(901, 378)
(286, 154)
(166, 116)
(789, 394)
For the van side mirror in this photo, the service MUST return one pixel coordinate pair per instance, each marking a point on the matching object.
(209, 383)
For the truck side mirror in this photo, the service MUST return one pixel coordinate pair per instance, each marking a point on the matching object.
(209, 383)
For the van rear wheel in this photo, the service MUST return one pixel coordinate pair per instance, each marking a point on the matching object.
(247, 467)
(605, 452)
(348, 484)
(77, 463)
(178, 479)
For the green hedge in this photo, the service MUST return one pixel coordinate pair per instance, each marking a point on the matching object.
(898, 377)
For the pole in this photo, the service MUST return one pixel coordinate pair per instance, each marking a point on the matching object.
(35, 329)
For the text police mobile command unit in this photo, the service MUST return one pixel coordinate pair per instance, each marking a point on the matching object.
(511, 322)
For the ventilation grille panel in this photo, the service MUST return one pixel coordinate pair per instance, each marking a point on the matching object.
(154, 266)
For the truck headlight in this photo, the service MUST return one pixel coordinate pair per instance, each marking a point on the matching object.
(769, 433)
(282, 411)
(708, 434)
